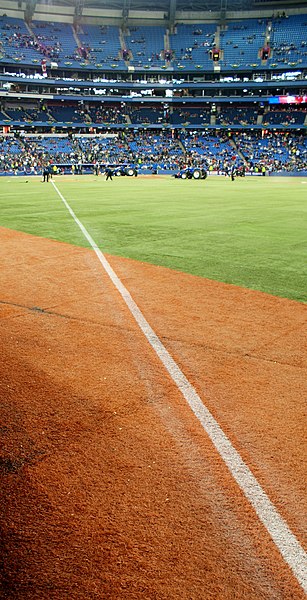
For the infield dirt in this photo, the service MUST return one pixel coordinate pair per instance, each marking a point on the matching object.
(110, 488)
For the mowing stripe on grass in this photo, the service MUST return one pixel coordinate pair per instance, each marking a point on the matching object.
(286, 542)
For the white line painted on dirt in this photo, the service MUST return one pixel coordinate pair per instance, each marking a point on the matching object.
(286, 542)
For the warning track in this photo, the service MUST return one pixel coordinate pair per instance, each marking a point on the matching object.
(111, 487)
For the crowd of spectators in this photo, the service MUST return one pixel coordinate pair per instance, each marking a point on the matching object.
(277, 151)
(213, 152)
(28, 155)
(49, 43)
(218, 152)
(120, 113)
(146, 149)
(154, 148)
(14, 41)
(285, 115)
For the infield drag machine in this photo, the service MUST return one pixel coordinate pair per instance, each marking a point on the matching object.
(191, 173)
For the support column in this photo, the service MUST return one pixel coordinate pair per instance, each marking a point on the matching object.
(125, 15)
(172, 15)
(29, 10)
(78, 13)
(223, 12)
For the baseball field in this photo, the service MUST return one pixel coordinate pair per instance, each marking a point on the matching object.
(153, 388)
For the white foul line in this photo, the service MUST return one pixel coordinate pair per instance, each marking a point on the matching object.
(286, 542)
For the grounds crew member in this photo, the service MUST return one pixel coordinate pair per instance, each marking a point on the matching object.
(109, 173)
(46, 173)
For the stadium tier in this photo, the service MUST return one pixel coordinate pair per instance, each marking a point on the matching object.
(156, 151)
(241, 44)
(102, 114)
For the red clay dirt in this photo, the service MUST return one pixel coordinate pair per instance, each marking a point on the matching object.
(110, 487)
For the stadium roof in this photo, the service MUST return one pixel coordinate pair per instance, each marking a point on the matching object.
(180, 5)
(146, 9)
(164, 5)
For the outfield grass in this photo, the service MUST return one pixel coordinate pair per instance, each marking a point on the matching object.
(250, 232)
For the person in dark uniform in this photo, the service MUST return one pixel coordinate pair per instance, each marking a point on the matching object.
(97, 167)
(46, 173)
(109, 174)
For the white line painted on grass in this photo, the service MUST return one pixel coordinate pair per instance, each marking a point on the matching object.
(286, 542)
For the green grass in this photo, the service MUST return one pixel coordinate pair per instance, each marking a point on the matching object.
(250, 232)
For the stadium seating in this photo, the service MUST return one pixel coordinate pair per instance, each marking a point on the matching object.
(147, 115)
(188, 47)
(229, 115)
(4, 117)
(10, 145)
(287, 151)
(106, 114)
(191, 116)
(146, 45)
(26, 113)
(17, 114)
(211, 151)
(30, 44)
(55, 147)
(191, 45)
(123, 113)
(143, 119)
(16, 42)
(106, 150)
(56, 42)
(151, 149)
(35, 115)
(65, 113)
(241, 42)
(288, 116)
(289, 42)
(155, 149)
(101, 46)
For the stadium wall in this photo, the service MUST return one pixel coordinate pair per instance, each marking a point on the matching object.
(11, 9)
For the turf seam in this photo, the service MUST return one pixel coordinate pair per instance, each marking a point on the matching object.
(45, 311)
(42, 311)
(232, 353)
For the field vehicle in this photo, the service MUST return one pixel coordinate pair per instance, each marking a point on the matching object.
(124, 170)
(191, 173)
